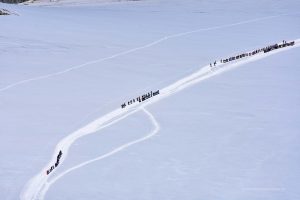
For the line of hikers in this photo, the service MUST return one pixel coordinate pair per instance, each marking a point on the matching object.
(265, 50)
(141, 98)
(56, 164)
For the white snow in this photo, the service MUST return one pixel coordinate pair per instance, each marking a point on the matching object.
(65, 70)
(73, 2)
(39, 183)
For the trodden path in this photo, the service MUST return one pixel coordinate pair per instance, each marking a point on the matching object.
(37, 187)
(111, 153)
(160, 40)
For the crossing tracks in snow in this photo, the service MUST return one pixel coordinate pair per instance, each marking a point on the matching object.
(123, 147)
(38, 185)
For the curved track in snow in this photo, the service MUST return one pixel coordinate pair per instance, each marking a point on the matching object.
(111, 153)
(35, 187)
(75, 67)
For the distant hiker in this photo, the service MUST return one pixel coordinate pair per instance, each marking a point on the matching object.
(215, 63)
(210, 65)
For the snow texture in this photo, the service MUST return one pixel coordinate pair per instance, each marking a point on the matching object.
(65, 70)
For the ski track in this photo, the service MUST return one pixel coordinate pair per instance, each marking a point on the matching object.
(111, 153)
(133, 50)
(37, 184)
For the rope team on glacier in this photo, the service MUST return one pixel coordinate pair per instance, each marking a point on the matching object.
(265, 50)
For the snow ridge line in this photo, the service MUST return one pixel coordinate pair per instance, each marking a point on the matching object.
(33, 187)
(111, 153)
(75, 67)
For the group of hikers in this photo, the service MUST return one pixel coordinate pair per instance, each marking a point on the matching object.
(141, 98)
(232, 58)
(151, 94)
(265, 50)
(56, 164)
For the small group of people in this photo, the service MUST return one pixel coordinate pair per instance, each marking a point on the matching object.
(56, 164)
(141, 98)
(278, 46)
(213, 63)
(252, 53)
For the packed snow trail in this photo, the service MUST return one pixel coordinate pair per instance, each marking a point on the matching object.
(34, 186)
(75, 67)
(111, 153)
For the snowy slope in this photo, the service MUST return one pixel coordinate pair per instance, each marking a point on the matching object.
(251, 153)
(39, 185)
(73, 2)
(233, 136)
